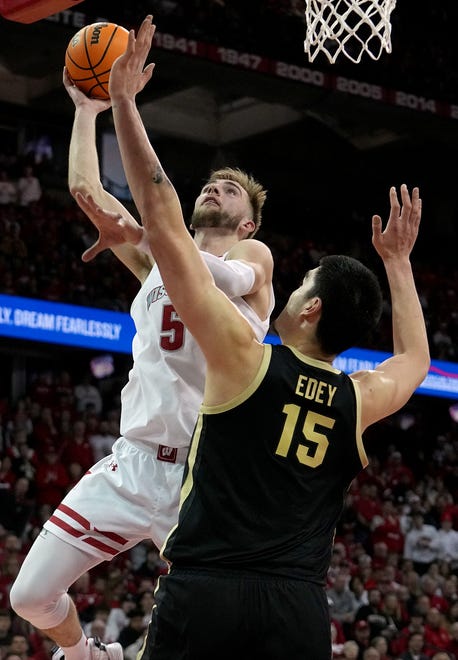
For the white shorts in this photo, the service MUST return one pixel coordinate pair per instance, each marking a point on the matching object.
(129, 496)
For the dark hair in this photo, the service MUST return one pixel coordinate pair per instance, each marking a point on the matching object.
(351, 302)
(135, 613)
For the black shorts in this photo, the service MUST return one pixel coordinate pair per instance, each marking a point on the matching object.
(207, 615)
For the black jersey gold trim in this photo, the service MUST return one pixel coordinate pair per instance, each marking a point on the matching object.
(268, 472)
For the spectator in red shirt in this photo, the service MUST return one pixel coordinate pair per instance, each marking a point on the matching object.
(78, 449)
(41, 647)
(44, 430)
(436, 634)
(379, 558)
(52, 479)
(447, 507)
(86, 596)
(400, 643)
(387, 528)
(337, 639)
(367, 506)
(42, 390)
(372, 474)
(430, 586)
(388, 583)
(399, 477)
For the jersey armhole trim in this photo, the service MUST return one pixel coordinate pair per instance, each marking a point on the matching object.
(359, 437)
(248, 391)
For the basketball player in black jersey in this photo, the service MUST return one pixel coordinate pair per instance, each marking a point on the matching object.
(278, 439)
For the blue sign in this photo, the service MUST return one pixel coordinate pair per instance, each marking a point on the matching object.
(442, 378)
(57, 323)
(99, 329)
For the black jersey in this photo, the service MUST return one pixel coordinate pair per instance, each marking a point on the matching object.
(267, 474)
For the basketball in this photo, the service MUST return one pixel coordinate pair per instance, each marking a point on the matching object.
(90, 55)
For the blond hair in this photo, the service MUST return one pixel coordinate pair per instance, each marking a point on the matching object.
(256, 193)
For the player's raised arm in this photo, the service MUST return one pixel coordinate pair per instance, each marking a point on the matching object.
(208, 314)
(84, 177)
(392, 383)
(151, 189)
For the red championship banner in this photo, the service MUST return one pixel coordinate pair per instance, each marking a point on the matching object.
(30, 11)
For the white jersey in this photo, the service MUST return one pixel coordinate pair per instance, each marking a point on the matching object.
(133, 494)
(161, 400)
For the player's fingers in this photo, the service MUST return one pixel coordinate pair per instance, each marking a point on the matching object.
(406, 202)
(416, 201)
(415, 215)
(376, 227)
(148, 72)
(91, 252)
(89, 207)
(395, 207)
(130, 49)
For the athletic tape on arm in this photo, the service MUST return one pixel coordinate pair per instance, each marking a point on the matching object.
(233, 277)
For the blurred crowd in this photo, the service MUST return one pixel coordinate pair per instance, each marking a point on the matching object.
(393, 581)
(42, 239)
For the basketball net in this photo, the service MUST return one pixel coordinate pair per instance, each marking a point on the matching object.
(348, 27)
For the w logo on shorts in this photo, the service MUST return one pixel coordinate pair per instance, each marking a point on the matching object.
(167, 454)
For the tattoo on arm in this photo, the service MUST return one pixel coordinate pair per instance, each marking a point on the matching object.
(158, 175)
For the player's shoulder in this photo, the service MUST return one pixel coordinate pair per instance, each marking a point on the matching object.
(250, 249)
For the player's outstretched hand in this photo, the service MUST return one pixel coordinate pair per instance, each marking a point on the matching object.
(79, 98)
(128, 74)
(396, 241)
(114, 229)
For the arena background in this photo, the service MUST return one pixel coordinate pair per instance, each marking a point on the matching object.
(232, 85)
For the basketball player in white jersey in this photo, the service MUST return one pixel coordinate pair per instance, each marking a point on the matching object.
(133, 494)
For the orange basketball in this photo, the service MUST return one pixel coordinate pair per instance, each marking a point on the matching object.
(90, 55)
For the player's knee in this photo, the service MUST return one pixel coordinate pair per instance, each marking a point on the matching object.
(25, 600)
(36, 604)
(20, 600)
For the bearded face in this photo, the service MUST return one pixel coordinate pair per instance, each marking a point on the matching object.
(209, 215)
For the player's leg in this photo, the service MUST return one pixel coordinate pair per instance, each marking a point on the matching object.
(39, 595)
(286, 618)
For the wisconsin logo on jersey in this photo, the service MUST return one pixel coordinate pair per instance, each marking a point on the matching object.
(167, 454)
(155, 294)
